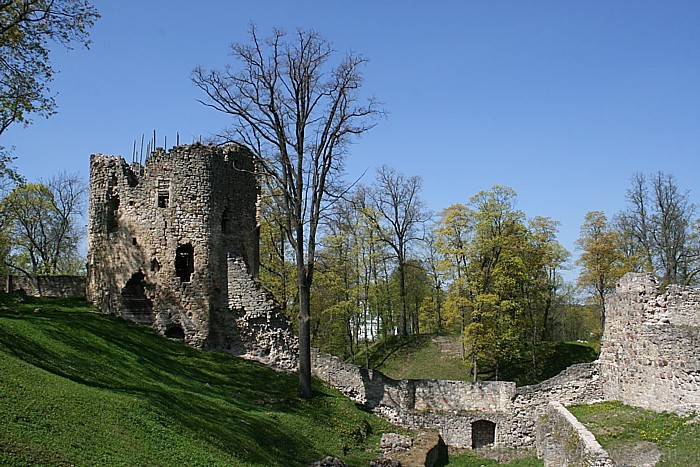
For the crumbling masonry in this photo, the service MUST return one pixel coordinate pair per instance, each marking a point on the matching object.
(173, 244)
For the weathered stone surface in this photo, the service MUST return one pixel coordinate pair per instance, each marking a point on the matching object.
(173, 244)
(453, 408)
(649, 353)
(394, 442)
(564, 441)
(328, 461)
(45, 286)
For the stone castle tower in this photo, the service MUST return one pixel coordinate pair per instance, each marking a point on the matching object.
(173, 244)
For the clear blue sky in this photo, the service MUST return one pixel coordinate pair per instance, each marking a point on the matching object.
(562, 101)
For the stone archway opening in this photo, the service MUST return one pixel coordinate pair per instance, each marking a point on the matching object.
(175, 331)
(483, 433)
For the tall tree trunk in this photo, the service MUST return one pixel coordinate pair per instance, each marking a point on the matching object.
(304, 336)
(402, 292)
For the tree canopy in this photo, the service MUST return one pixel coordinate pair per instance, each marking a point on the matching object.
(27, 29)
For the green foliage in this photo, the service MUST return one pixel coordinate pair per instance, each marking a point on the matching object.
(438, 357)
(42, 226)
(88, 389)
(27, 27)
(577, 322)
(617, 426)
(504, 280)
(601, 261)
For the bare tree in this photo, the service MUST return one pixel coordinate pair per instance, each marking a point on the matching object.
(396, 213)
(297, 114)
(658, 223)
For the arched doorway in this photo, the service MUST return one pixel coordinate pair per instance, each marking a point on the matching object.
(175, 331)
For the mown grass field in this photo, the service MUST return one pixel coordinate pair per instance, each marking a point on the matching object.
(635, 436)
(81, 388)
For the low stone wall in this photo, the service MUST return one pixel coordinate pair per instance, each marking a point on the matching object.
(454, 408)
(563, 441)
(578, 384)
(649, 355)
(46, 286)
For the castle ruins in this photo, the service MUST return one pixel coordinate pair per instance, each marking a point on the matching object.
(173, 244)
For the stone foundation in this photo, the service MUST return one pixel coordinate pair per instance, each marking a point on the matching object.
(459, 409)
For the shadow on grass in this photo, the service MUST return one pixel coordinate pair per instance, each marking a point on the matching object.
(552, 359)
(224, 402)
(388, 347)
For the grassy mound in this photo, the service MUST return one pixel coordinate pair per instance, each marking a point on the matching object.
(438, 357)
(81, 388)
(635, 436)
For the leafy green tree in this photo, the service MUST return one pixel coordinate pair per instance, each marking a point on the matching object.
(417, 284)
(601, 261)
(44, 225)
(454, 232)
(504, 281)
(495, 272)
(544, 257)
(27, 28)
(431, 310)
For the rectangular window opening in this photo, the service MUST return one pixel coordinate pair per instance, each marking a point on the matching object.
(163, 193)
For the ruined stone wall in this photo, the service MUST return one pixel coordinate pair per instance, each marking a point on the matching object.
(454, 408)
(578, 384)
(45, 286)
(253, 326)
(649, 352)
(159, 236)
(563, 440)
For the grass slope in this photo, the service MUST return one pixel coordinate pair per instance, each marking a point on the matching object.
(82, 388)
(635, 436)
(437, 357)
(414, 357)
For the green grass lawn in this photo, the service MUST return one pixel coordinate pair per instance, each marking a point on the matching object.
(82, 388)
(414, 357)
(626, 432)
(467, 459)
(421, 357)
